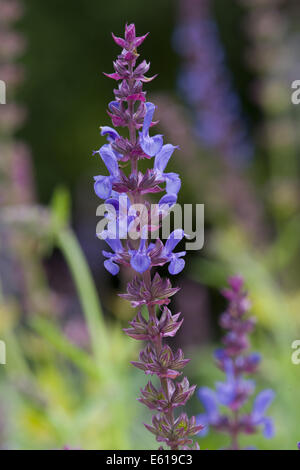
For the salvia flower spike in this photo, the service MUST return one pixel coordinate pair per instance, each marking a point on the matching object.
(237, 363)
(130, 109)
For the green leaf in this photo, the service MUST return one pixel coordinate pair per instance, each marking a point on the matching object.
(61, 207)
(82, 276)
(51, 333)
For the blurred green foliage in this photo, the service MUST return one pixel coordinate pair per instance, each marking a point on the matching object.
(56, 393)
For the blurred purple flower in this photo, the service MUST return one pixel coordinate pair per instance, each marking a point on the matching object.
(206, 85)
(234, 361)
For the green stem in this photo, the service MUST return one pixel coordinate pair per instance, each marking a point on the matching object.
(15, 359)
(86, 289)
(53, 335)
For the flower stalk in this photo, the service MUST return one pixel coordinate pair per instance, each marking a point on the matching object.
(125, 196)
(236, 362)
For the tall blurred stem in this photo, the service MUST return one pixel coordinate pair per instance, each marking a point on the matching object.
(69, 245)
(16, 360)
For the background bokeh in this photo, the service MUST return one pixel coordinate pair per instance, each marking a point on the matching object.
(223, 94)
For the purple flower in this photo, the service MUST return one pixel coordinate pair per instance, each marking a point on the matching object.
(233, 393)
(248, 364)
(211, 416)
(260, 406)
(206, 85)
(140, 260)
(175, 259)
(131, 41)
(110, 132)
(118, 206)
(111, 263)
(234, 361)
(172, 180)
(168, 200)
(117, 113)
(103, 184)
(150, 145)
(122, 191)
